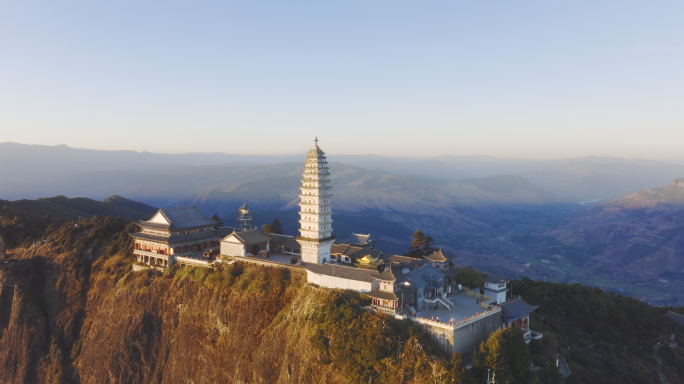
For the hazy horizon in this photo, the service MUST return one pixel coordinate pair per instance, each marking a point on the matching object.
(510, 80)
(304, 150)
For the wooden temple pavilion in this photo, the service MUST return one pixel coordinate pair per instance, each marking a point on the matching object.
(175, 232)
(439, 260)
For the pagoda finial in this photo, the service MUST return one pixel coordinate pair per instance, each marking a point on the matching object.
(316, 141)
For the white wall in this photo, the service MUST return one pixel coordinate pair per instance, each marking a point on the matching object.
(500, 296)
(232, 249)
(337, 282)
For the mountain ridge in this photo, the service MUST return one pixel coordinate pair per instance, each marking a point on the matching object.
(642, 232)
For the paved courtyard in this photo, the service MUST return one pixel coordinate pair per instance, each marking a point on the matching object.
(464, 307)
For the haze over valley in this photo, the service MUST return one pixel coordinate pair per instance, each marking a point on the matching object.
(510, 216)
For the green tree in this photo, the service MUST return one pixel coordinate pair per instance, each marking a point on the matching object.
(507, 355)
(216, 219)
(548, 374)
(427, 246)
(470, 277)
(457, 371)
(415, 249)
(277, 227)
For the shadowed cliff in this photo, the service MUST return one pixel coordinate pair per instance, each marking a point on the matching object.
(80, 314)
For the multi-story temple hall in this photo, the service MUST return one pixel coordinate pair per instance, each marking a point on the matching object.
(177, 235)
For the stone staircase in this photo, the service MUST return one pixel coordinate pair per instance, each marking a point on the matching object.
(442, 300)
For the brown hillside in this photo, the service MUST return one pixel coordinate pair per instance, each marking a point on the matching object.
(81, 315)
(643, 232)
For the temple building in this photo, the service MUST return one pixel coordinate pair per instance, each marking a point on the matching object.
(439, 260)
(284, 244)
(176, 232)
(245, 244)
(516, 313)
(359, 240)
(315, 209)
(385, 296)
(495, 286)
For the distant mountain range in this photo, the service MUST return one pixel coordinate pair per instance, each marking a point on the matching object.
(59, 207)
(32, 171)
(642, 233)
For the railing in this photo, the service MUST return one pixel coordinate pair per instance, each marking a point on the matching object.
(151, 254)
(197, 262)
(454, 325)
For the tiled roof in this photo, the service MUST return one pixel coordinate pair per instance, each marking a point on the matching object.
(382, 295)
(336, 248)
(420, 277)
(344, 272)
(283, 241)
(373, 253)
(354, 252)
(679, 319)
(149, 224)
(358, 239)
(396, 261)
(184, 237)
(438, 256)
(390, 275)
(252, 236)
(494, 279)
(180, 218)
(517, 308)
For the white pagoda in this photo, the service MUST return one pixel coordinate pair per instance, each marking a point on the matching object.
(315, 209)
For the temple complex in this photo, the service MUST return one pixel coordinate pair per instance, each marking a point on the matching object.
(423, 290)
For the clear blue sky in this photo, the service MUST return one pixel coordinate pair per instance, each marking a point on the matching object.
(535, 79)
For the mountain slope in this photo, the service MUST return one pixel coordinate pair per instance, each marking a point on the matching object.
(603, 178)
(63, 207)
(87, 317)
(642, 232)
(406, 199)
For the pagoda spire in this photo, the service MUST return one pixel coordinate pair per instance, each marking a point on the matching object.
(315, 202)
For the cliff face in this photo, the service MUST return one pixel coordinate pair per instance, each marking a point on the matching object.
(81, 315)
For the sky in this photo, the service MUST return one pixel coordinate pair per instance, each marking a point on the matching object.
(524, 79)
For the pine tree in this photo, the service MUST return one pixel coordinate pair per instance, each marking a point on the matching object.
(415, 249)
(427, 245)
(277, 227)
(216, 219)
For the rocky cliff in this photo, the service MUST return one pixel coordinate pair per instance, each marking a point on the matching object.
(79, 314)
